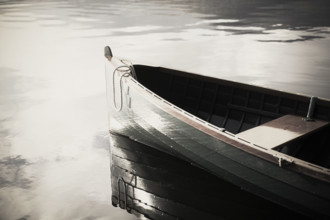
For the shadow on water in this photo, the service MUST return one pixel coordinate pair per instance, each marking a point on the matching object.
(272, 14)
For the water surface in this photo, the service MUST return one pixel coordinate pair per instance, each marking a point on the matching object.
(54, 150)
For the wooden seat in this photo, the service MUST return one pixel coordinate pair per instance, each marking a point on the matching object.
(280, 131)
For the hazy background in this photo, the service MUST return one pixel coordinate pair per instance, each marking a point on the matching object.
(54, 149)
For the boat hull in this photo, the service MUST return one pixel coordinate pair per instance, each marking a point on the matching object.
(147, 119)
(154, 185)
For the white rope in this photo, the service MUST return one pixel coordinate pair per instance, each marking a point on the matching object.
(125, 70)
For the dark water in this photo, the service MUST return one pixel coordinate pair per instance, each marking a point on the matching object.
(54, 160)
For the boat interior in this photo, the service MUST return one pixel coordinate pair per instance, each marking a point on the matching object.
(244, 110)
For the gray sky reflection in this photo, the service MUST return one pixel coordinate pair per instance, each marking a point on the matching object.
(11, 173)
(54, 149)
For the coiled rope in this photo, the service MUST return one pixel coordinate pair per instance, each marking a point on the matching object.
(124, 71)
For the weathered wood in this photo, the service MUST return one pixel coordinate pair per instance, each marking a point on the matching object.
(179, 190)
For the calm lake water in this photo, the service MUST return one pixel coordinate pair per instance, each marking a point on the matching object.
(54, 149)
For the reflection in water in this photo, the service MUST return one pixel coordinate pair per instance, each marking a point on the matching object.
(54, 142)
(11, 173)
(302, 38)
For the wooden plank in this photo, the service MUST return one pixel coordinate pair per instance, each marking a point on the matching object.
(280, 131)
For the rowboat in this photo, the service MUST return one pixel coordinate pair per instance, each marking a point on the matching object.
(270, 145)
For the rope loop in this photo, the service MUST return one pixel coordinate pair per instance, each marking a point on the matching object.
(123, 71)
